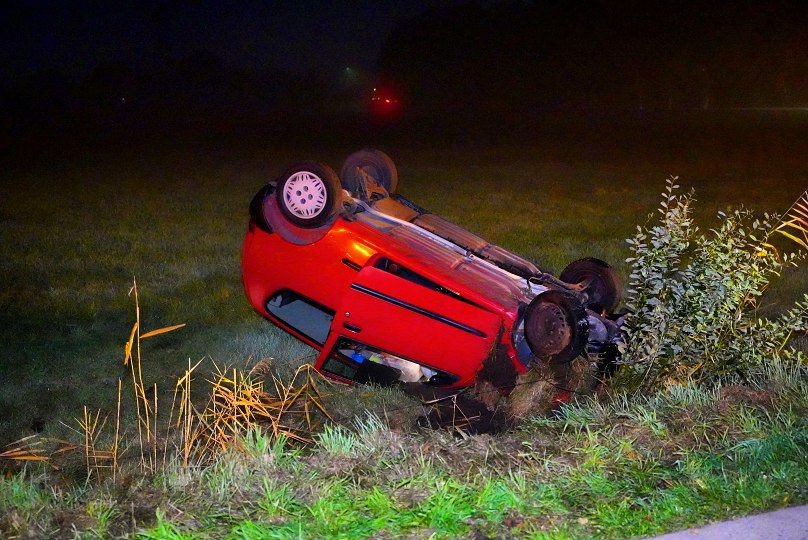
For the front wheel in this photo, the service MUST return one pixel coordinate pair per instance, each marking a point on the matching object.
(556, 328)
(307, 194)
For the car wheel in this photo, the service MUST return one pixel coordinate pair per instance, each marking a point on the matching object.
(308, 193)
(555, 327)
(598, 280)
(374, 164)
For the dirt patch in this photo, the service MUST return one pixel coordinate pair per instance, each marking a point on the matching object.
(466, 414)
(498, 370)
(500, 399)
(533, 396)
(542, 389)
(730, 397)
(746, 396)
(69, 521)
(478, 455)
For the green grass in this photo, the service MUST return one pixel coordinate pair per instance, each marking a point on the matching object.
(612, 476)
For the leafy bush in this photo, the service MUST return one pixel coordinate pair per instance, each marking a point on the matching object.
(693, 298)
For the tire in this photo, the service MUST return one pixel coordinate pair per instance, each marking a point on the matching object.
(601, 283)
(275, 221)
(308, 194)
(555, 327)
(376, 164)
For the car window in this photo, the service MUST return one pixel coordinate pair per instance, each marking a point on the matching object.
(354, 361)
(396, 269)
(304, 315)
(364, 364)
(405, 273)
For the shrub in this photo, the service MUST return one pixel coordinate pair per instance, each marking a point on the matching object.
(693, 298)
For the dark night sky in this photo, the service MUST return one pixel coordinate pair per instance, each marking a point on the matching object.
(438, 54)
(74, 36)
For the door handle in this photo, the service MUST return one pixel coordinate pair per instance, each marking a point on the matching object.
(352, 327)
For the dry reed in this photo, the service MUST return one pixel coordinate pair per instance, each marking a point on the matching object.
(239, 403)
(795, 222)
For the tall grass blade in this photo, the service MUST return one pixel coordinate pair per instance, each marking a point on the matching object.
(801, 241)
(127, 349)
(159, 331)
(25, 449)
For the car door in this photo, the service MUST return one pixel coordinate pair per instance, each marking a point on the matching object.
(417, 323)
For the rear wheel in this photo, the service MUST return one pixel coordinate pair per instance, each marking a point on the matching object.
(366, 169)
(598, 280)
(556, 328)
(307, 194)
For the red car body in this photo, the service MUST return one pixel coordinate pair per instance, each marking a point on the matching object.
(377, 283)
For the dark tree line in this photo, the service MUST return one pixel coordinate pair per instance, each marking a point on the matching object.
(533, 56)
(199, 85)
(488, 64)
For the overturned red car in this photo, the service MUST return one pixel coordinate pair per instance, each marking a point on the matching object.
(388, 292)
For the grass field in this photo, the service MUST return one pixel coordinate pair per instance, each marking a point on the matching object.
(75, 232)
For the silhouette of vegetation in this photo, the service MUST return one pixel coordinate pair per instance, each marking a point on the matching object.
(528, 56)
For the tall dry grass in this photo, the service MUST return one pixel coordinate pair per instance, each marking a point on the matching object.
(239, 403)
